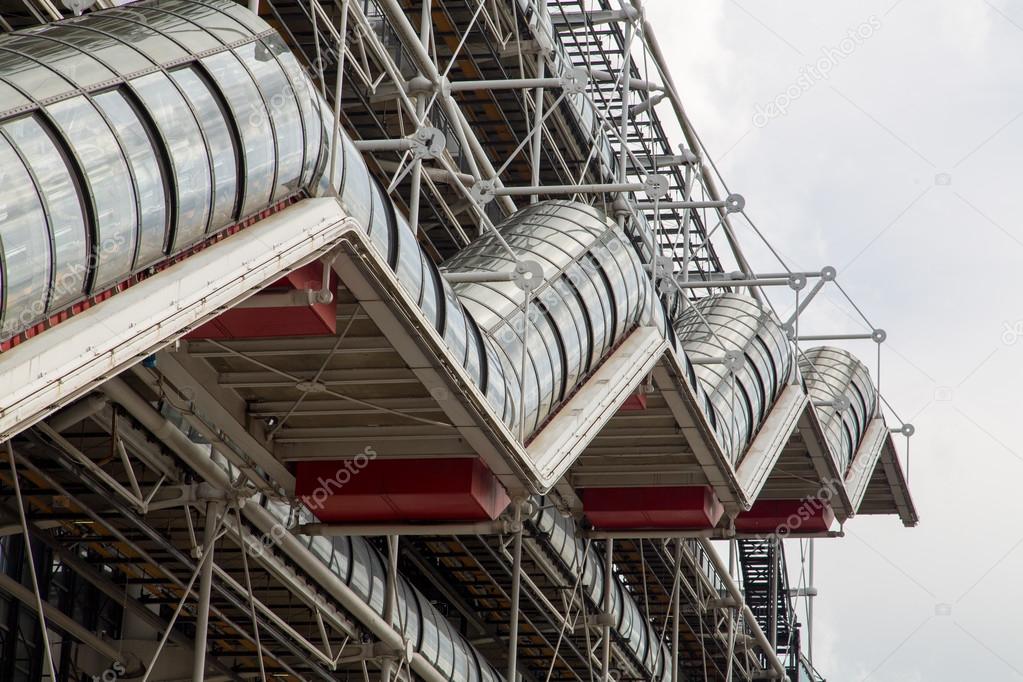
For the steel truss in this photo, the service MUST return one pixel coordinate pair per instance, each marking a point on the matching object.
(112, 494)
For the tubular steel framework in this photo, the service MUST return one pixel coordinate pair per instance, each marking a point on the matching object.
(277, 278)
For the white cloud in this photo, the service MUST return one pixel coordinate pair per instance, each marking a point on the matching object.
(849, 174)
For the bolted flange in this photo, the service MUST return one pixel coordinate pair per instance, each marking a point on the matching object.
(734, 360)
(656, 185)
(574, 81)
(483, 192)
(734, 203)
(528, 275)
(431, 143)
(797, 281)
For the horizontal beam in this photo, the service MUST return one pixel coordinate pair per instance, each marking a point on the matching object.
(381, 529)
(479, 276)
(58, 619)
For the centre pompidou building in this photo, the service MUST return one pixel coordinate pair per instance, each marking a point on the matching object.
(378, 339)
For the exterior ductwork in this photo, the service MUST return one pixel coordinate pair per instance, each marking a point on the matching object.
(741, 389)
(845, 397)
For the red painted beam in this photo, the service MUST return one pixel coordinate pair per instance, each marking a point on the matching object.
(784, 517)
(675, 508)
(635, 402)
(365, 490)
(259, 323)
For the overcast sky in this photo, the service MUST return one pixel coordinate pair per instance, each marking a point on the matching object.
(900, 168)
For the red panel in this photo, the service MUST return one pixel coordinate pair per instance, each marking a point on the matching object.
(786, 517)
(679, 507)
(635, 402)
(260, 323)
(400, 490)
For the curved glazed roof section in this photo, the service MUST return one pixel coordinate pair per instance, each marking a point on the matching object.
(840, 387)
(128, 135)
(707, 329)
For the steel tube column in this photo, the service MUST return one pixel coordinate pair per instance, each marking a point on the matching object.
(676, 609)
(31, 562)
(605, 657)
(202, 621)
(773, 592)
(199, 460)
(751, 621)
(416, 176)
(411, 41)
(516, 589)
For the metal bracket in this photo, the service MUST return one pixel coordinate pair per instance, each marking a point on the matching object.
(733, 360)
(528, 275)
(425, 143)
(192, 494)
(906, 430)
(601, 619)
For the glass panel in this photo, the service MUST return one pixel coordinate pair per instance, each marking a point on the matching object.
(252, 121)
(10, 98)
(461, 672)
(221, 145)
(185, 33)
(455, 333)
(34, 79)
(430, 644)
(25, 244)
(356, 193)
(216, 22)
(78, 67)
(360, 581)
(118, 55)
(287, 121)
(342, 557)
(233, 9)
(107, 178)
(429, 304)
(383, 229)
(410, 262)
(410, 610)
(497, 392)
(149, 181)
(187, 152)
(125, 25)
(474, 354)
(377, 573)
(63, 204)
(308, 102)
(446, 654)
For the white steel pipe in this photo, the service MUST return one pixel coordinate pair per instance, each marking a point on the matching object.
(381, 529)
(751, 622)
(506, 84)
(411, 41)
(200, 461)
(202, 612)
